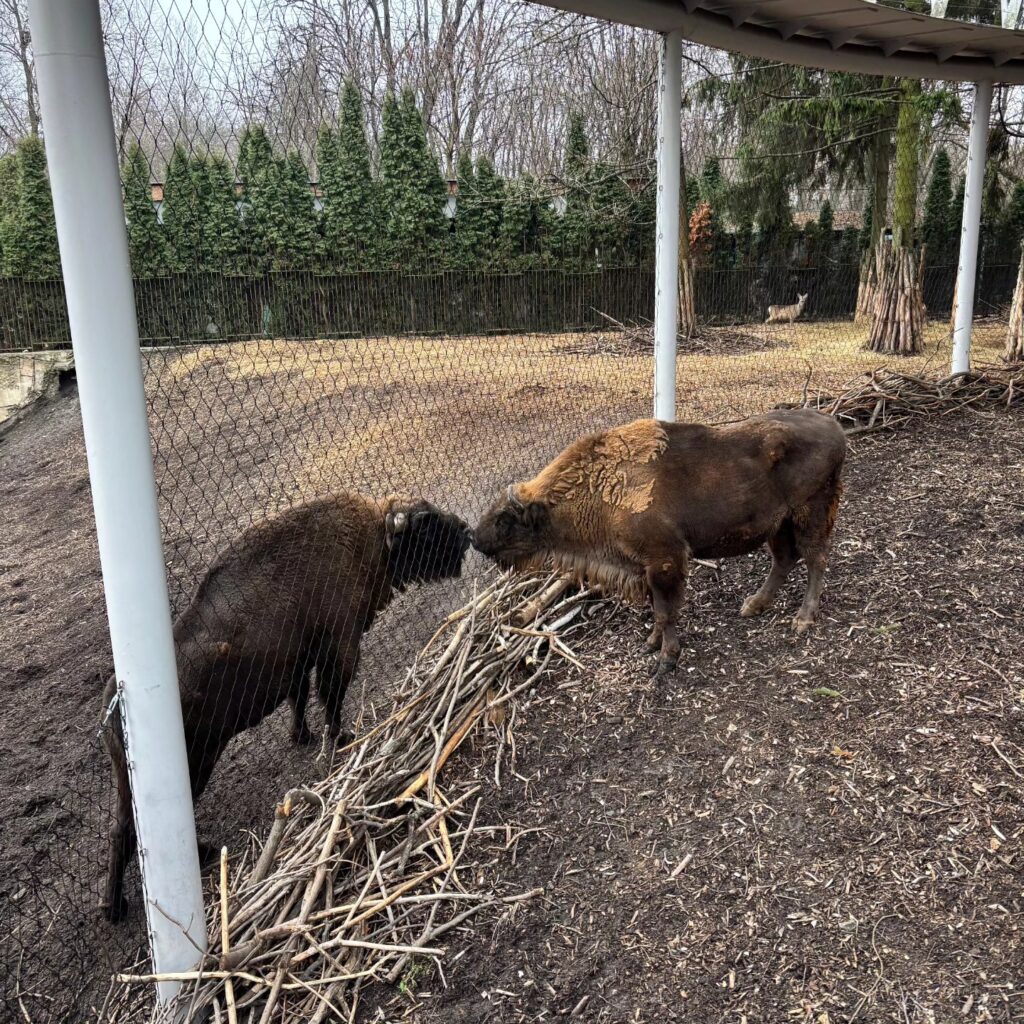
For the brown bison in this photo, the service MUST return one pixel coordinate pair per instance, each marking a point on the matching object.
(291, 594)
(628, 507)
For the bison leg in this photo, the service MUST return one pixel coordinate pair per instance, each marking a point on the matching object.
(122, 834)
(784, 557)
(333, 674)
(666, 582)
(813, 532)
(299, 698)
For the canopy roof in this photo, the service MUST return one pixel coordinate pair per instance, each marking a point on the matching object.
(839, 35)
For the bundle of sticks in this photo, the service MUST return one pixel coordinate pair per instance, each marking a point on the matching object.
(885, 398)
(359, 878)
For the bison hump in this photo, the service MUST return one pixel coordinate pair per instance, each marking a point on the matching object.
(621, 473)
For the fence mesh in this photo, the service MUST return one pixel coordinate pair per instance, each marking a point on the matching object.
(407, 259)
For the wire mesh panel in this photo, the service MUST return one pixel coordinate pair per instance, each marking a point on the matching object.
(383, 268)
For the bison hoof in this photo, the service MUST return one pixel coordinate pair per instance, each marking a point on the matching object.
(753, 606)
(653, 642)
(116, 910)
(801, 625)
(666, 666)
(303, 737)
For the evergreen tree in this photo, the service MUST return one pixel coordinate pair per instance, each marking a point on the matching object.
(490, 187)
(849, 247)
(711, 185)
(31, 249)
(812, 247)
(223, 227)
(826, 234)
(610, 208)
(412, 189)
(576, 241)
(147, 246)
(301, 251)
(527, 225)
(354, 234)
(936, 228)
(255, 154)
(1013, 222)
(184, 211)
(478, 213)
(745, 243)
(691, 194)
(327, 179)
(8, 205)
(259, 174)
(577, 148)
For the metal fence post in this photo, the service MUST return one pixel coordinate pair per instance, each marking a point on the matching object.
(967, 270)
(74, 99)
(666, 274)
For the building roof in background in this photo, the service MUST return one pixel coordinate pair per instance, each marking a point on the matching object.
(838, 35)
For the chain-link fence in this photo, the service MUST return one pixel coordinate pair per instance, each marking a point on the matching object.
(405, 259)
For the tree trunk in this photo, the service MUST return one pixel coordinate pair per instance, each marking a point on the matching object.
(867, 286)
(897, 325)
(1015, 333)
(687, 309)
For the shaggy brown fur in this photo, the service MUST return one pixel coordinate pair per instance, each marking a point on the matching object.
(291, 594)
(627, 508)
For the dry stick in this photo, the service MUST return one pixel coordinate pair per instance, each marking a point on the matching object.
(455, 688)
(281, 814)
(225, 944)
(312, 891)
(449, 748)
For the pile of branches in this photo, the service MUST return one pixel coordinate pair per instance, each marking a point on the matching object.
(885, 398)
(359, 878)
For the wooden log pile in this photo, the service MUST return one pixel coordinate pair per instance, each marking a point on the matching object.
(359, 878)
(897, 324)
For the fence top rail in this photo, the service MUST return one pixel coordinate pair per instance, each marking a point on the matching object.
(835, 35)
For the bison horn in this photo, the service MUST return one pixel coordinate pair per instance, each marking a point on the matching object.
(400, 521)
(513, 498)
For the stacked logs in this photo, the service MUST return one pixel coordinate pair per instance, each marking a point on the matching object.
(897, 326)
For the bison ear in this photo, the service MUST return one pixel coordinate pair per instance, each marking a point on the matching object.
(536, 515)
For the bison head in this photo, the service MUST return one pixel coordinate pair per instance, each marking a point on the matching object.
(513, 531)
(423, 543)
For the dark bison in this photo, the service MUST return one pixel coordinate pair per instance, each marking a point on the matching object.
(291, 594)
(627, 508)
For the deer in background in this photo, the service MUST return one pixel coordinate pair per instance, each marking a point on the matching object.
(786, 314)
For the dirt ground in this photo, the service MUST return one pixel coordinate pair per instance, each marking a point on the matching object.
(819, 830)
(243, 430)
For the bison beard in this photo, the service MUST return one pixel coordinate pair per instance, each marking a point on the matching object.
(627, 508)
(292, 594)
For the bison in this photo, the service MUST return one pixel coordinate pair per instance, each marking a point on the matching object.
(628, 508)
(291, 594)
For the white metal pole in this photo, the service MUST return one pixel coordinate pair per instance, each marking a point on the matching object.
(967, 270)
(666, 268)
(74, 98)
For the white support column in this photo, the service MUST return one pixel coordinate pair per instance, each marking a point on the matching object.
(74, 97)
(968, 267)
(666, 270)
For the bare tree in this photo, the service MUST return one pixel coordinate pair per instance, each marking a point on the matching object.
(19, 99)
